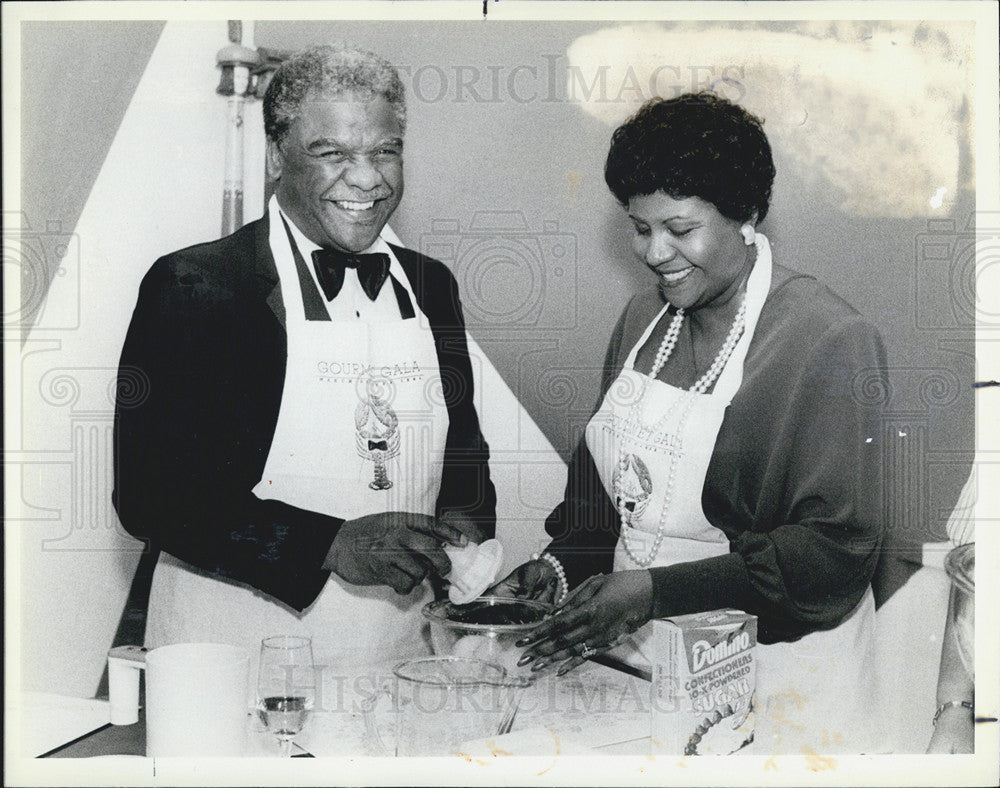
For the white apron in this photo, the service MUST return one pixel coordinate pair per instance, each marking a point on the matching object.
(814, 694)
(361, 429)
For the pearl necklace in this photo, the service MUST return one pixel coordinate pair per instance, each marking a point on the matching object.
(644, 432)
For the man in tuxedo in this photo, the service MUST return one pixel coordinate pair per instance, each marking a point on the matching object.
(305, 440)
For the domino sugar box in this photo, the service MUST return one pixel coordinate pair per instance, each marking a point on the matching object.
(704, 677)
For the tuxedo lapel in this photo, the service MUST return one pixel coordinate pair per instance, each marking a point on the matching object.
(268, 284)
(265, 273)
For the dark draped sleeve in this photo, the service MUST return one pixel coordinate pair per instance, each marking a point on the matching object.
(799, 500)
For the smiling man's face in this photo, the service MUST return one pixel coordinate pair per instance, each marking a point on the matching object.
(340, 169)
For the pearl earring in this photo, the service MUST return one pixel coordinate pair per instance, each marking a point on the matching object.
(748, 234)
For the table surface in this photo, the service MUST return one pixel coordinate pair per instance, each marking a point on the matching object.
(111, 739)
(589, 710)
(594, 709)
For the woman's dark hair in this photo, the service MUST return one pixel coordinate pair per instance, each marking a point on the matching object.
(695, 145)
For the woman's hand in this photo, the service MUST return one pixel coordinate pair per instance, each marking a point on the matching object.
(533, 580)
(597, 615)
(954, 732)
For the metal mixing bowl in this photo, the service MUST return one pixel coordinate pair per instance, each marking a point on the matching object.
(485, 629)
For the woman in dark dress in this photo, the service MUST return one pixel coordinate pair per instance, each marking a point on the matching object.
(733, 461)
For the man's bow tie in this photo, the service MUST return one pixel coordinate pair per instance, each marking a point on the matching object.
(330, 264)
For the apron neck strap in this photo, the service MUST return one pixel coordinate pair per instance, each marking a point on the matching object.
(312, 301)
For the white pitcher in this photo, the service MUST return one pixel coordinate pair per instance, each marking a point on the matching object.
(196, 697)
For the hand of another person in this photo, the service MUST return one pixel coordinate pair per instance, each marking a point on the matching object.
(954, 732)
(396, 549)
(532, 580)
(597, 615)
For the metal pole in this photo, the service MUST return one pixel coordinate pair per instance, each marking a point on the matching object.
(235, 61)
(232, 189)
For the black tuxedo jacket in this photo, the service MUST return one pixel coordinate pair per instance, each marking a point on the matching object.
(199, 388)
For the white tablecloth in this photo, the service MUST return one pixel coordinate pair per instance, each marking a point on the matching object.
(593, 707)
(48, 721)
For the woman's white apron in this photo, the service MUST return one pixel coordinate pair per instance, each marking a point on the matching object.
(812, 695)
(361, 429)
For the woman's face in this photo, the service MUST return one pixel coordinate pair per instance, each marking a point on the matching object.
(698, 254)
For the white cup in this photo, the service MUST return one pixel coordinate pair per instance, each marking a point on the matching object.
(196, 698)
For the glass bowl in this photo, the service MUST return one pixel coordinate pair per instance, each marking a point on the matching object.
(485, 629)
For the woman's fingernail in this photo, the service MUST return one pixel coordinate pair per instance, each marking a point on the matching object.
(525, 659)
(539, 665)
(563, 670)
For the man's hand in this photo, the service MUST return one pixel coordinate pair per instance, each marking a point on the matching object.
(532, 580)
(396, 549)
(464, 524)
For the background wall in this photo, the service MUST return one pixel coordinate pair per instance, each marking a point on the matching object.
(509, 126)
(146, 196)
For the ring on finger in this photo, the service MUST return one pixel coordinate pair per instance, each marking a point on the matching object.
(587, 652)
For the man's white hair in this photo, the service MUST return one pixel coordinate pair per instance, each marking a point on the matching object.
(329, 71)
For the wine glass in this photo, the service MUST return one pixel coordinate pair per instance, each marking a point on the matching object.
(286, 686)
